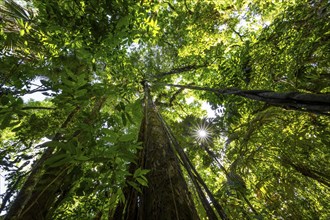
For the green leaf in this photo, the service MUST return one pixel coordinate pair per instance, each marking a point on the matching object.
(5, 100)
(69, 147)
(71, 74)
(22, 32)
(58, 160)
(6, 121)
(127, 137)
(129, 118)
(139, 172)
(81, 92)
(124, 21)
(135, 186)
(111, 136)
(81, 158)
(121, 195)
(142, 181)
(62, 162)
(68, 82)
(19, 102)
(122, 106)
(44, 82)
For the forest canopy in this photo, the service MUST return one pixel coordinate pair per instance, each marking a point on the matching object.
(101, 109)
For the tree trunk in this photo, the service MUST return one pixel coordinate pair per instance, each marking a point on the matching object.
(27, 196)
(167, 196)
(52, 185)
(47, 185)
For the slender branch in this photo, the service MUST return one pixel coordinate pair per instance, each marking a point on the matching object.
(37, 108)
(173, 97)
(227, 91)
(236, 32)
(6, 91)
(215, 158)
(171, 6)
(192, 171)
(185, 4)
(249, 203)
(38, 90)
(207, 206)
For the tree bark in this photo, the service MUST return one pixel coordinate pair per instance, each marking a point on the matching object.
(25, 196)
(167, 196)
(46, 185)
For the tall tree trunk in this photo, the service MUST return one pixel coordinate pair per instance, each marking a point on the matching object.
(26, 196)
(167, 196)
(54, 183)
(47, 185)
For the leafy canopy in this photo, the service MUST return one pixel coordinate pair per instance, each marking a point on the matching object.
(88, 59)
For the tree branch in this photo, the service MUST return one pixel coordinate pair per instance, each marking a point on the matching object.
(185, 4)
(7, 91)
(37, 108)
(314, 103)
(171, 6)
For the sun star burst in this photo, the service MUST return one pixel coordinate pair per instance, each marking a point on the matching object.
(201, 132)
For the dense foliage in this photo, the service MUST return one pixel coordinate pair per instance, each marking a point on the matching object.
(263, 66)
